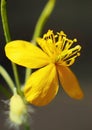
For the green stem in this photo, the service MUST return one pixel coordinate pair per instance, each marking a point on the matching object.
(15, 71)
(7, 78)
(27, 74)
(40, 24)
(8, 38)
(5, 20)
(43, 18)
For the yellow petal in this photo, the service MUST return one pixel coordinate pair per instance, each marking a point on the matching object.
(42, 86)
(69, 82)
(26, 54)
(47, 46)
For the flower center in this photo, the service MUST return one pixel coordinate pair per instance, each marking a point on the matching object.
(58, 47)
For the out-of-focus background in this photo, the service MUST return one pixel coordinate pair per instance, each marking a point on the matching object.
(74, 17)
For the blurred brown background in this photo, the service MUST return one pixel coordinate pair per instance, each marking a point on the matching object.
(74, 17)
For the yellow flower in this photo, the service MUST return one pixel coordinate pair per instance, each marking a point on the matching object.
(52, 57)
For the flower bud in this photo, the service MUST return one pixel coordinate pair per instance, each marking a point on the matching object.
(18, 110)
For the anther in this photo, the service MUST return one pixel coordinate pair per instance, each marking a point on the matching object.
(78, 47)
(74, 40)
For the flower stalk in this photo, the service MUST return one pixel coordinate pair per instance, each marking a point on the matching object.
(43, 18)
(40, 24)
(7, 78)
(8, 39)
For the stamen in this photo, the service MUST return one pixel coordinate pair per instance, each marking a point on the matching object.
(58, 46)
(71, 60)
(47, 43)
(68, 56)
(63, 42)
(49, 36)
(60, 40)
